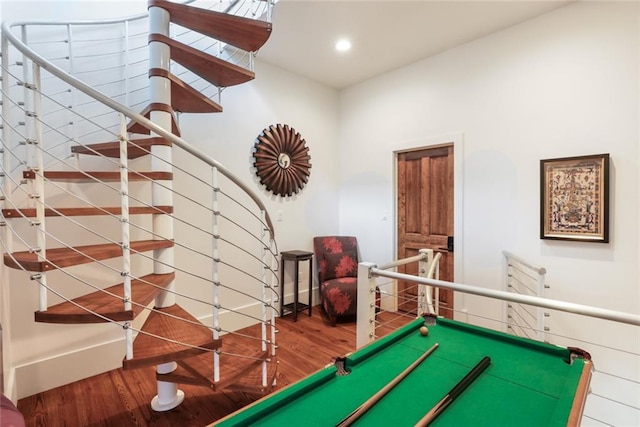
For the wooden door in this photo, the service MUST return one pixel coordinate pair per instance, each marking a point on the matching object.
(425, 218)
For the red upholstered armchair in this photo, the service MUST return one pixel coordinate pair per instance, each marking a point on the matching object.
(337, 261)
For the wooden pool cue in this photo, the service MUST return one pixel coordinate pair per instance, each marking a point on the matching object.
(455, 392)
(357, 413)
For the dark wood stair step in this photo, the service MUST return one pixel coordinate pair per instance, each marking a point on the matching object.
(67, 257)
(108, 304)
(236, 373)
(135, 148)
(87, 211)
(245, 33)
(93, 176)
(135, 127)
(214, 70)
(155, 344)
(184, 98)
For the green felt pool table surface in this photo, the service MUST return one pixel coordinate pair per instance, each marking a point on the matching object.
(527, 384)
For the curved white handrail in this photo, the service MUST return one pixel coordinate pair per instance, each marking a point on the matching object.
(99, 96)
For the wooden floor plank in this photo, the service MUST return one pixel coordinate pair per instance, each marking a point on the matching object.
(122, 398)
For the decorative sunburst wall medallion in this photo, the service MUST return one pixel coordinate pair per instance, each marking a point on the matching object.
(282, 160)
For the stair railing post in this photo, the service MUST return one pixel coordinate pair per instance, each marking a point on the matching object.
(125, 229)
(6, 359)
(169, 396)
(541, 313)
(127, 65)
(366, 305)
(214, 267)
(38, 195)
(274, 296)
(506, 285)
(72, 92)
(425, 293)
(27, 161)
(6, 134)
(265, 298)
(270, 4)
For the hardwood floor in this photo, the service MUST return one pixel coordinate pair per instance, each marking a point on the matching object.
(122, 398)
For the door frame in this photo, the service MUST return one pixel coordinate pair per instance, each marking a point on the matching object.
(457, 140)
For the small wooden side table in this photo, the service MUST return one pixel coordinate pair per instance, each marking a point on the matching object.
(296, 305)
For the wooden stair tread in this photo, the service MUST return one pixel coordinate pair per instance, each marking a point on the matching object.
(245, 33)
(93, 176)
(135, 148)
(184, 98)
(149, 350)
(214, 70)
(108, 304)
(135, 127)
(67, 257)
(87, 211)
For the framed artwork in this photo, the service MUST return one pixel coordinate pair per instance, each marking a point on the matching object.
(574, 198)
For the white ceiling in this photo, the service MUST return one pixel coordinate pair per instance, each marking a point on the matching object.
(385, 34)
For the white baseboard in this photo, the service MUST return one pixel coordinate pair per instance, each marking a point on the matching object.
(61, 369)
(11, 391)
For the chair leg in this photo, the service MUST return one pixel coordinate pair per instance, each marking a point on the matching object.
(333, 320)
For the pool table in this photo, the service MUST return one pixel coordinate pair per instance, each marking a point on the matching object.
(528, 383)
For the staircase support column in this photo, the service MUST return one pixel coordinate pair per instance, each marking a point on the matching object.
(169, 396)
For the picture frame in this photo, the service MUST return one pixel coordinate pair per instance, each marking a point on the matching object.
(574, 198)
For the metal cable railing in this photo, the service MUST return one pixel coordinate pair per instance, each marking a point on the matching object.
(66, 112)
(61, 243)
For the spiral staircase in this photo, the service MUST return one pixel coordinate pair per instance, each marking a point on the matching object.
(95, 188)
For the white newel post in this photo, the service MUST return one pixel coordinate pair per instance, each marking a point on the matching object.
(215, 290)
(264, 315)
(366, 317)
(422, 289)
(168, 396)
(425, 292)
(125, 231)
(38, 187)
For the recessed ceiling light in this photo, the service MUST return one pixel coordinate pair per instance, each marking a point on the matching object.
(343, 45)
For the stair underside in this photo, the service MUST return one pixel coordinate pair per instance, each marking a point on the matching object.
(67, 257)
(236, 373)
(184, 98)
(245, 33)
(135, 127)
(108, 303)
(214, 70)
(93, 176)
(135, 148)
(87, 211)
(155, 344)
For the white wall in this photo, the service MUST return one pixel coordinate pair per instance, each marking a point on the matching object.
(564, 84)
(277, 96)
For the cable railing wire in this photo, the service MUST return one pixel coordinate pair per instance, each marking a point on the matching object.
(100, 262)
